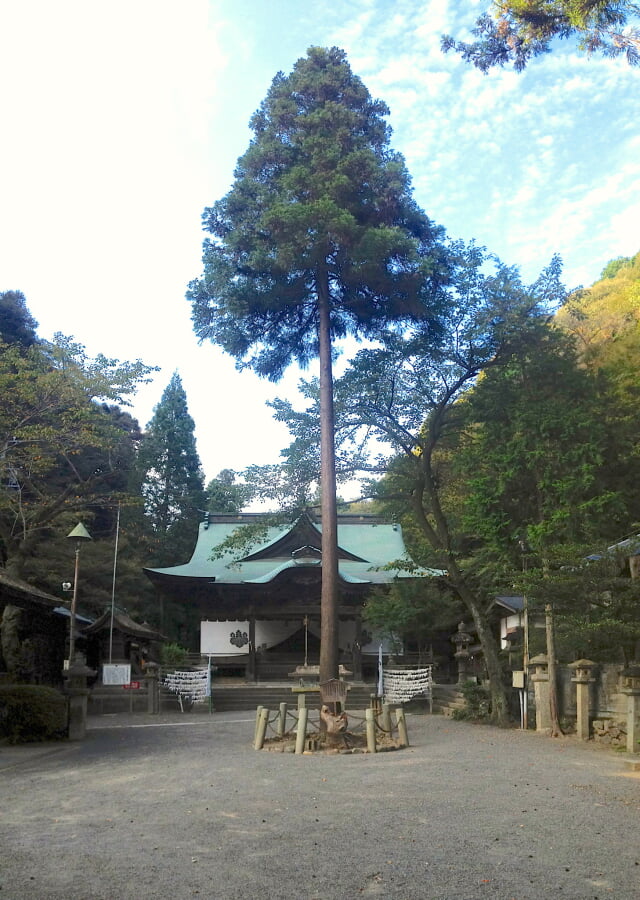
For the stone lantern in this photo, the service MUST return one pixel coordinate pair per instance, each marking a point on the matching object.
(539, 666)
(582, 678)
(77, 691)
(462, 641)
(630, 678)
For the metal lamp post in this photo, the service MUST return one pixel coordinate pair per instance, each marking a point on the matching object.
(79, 534)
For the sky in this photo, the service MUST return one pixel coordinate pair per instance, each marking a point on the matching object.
(123, 121)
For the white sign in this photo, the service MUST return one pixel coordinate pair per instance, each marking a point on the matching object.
(116, 673)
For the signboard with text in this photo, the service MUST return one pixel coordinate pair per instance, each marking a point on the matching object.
(116, 673)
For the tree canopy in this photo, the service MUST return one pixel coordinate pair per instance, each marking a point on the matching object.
(516, 31)
(319, 201)
(61, 445)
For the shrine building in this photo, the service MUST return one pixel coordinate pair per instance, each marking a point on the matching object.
(260, 605)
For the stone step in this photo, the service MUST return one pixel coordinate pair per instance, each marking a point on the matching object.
(447, 698)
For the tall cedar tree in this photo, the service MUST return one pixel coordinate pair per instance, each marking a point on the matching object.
(319, 237)
(173, 481)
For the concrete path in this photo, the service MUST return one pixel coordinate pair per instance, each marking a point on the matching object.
(181, 806)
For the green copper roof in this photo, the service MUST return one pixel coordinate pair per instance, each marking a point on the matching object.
(366, 547)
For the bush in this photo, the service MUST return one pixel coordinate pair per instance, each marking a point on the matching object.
(173, 655)
(477, 702)
(32, 712)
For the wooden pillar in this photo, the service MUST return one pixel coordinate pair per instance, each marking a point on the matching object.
(357, 650)
(252, 671)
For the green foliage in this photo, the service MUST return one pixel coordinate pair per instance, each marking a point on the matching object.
(227, 495)
(533, 455)
(477, 702)
(172, 477)
(172, 654)
(614, 265)
(62, 448)
(517, 31)
(412, 611)
(17, 325)
(604, 322)
(30, 712)
(319, 203)
(596, 605)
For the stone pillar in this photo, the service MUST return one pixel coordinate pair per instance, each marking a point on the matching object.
(631, 687)
(152, 677)
(462, 640)
(539, 667)
(582, 679)
(77, 691)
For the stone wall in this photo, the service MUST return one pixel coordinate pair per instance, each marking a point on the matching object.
(606, 701)
(607, 704)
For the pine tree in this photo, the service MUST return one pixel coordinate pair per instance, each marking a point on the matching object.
(318, 238)
(173, 482)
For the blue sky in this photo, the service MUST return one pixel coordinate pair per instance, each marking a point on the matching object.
(123, 121)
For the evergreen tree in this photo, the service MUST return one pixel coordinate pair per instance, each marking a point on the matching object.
(172, 478)
(319, 237)
(17, 325)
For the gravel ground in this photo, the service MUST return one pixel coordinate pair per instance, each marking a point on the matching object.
(181, 806)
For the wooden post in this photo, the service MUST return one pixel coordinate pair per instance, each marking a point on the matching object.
(556, 731)
(252, 671)
(386, 717)
(262, 728)
(301, 733)
(371, 730)
(403, 734)
(282, 720)
(258, 714)
(357, 650)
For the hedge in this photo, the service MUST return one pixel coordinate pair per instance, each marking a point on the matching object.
(32, 712)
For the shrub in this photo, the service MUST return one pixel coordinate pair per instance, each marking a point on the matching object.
(32, 712)
(173, 655)
(477, 702)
